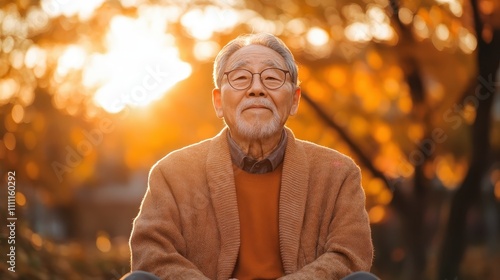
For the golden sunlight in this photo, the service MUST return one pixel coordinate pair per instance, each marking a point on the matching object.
(67, 8)
(72, 58)
(141, 64)
(202, 23)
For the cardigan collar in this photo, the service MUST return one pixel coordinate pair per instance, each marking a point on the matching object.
(251, 165)
(293, 195)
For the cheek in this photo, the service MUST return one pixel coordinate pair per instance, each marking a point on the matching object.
(229, 105)
(226, 98)
(285, 105)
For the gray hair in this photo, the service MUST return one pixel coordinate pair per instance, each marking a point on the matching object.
(263, 39)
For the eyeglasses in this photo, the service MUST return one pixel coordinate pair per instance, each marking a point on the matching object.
(271, 78)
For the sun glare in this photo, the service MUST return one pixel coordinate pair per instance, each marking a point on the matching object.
(202, 23)
(141, 64)
(72, 58)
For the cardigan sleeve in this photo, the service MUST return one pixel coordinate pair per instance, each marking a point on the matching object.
(156, 242)
(348, 246)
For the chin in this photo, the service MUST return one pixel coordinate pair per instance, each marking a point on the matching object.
(258, 130)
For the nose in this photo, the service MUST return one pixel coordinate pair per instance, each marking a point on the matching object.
(256, 87)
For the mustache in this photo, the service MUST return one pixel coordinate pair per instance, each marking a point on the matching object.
(262, 102)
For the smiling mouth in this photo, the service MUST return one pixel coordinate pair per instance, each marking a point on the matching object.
(257, 107)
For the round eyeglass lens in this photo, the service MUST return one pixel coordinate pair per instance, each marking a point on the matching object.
(271, 78)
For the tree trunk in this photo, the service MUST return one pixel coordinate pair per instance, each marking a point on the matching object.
(455, 242)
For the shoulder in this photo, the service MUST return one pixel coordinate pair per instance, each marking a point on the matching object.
(184, 157)
(179, 170)
(192, 158)
(321, 152)
(318, 155)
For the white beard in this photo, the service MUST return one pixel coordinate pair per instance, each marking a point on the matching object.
(259, 130)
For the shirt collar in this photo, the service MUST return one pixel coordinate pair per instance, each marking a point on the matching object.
(251, 165)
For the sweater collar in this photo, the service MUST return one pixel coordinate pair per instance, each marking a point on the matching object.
(251, 165)
(292, 201)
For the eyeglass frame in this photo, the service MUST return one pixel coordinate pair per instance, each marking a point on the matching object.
(260, 77)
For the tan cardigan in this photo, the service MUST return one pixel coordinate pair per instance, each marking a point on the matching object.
(188, 226)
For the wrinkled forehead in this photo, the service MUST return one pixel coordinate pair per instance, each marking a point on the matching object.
(245, 62)
(255, 55)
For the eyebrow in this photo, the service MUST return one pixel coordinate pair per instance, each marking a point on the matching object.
(269, 62)
(239, 64)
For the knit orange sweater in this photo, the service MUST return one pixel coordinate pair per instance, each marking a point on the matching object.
(188, 225)
(257, 196)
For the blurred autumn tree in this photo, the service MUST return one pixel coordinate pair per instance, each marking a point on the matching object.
(92, 93)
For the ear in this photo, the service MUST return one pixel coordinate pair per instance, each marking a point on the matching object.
(295, 101)
(217, 102)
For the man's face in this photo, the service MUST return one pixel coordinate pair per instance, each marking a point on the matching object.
(256, 112)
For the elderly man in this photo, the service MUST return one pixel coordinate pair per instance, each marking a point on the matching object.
(253, 202)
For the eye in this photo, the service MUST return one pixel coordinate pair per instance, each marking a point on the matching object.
(240, 77)
(272, 75)
(272, 78)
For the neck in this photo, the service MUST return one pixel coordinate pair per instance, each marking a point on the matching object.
(257, 148)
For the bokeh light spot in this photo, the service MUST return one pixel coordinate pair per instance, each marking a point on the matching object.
(375, 186)
(9, 141)
(20, 199)
(358, 32)
(32, 170)
(442, 32)
(36, 241)
(405, 15)
(68, 8)
(17, 113)
(102, 242)
(382, 133)
(376, 214)
(467, 41)
(420, 27)
(8, 88)
(317, 36)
